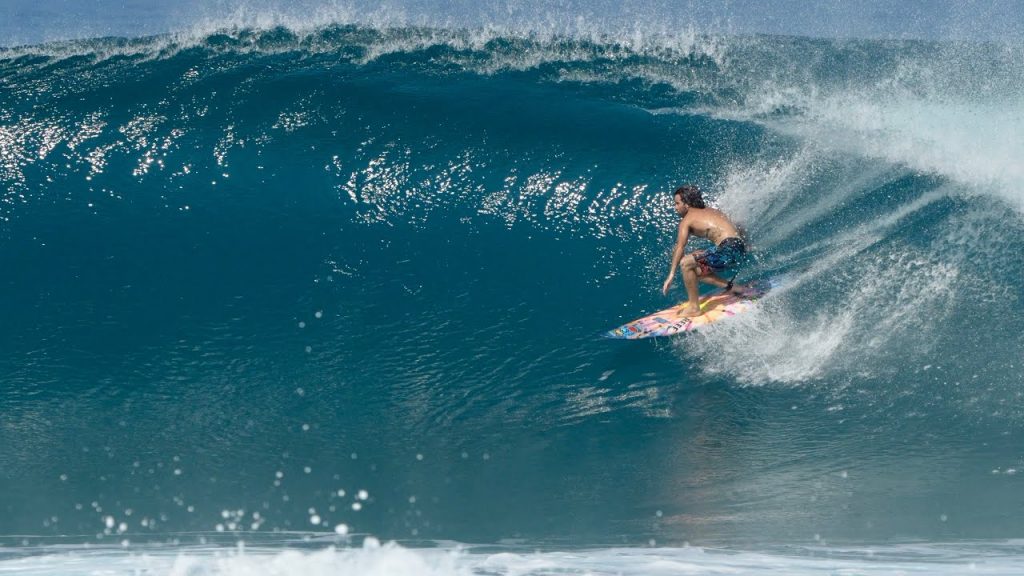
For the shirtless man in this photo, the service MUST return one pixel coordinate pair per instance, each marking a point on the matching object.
(699, 220)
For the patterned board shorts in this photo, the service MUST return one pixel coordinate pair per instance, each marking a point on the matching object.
(728, 254)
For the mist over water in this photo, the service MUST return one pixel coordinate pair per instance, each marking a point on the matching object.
(313, 281)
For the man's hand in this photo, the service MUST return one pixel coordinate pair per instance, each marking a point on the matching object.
(668, 284)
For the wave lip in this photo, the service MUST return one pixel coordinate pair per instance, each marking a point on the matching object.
(997, 20)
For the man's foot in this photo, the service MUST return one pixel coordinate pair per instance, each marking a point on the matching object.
(690, 311)
(739, 290)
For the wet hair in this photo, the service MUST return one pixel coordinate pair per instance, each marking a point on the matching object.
(691, 196)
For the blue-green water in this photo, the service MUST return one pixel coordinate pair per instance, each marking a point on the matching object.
(294, 287)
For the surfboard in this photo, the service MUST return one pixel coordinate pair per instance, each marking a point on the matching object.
(716, 307)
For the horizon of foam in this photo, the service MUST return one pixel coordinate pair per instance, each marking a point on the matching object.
(373, 558)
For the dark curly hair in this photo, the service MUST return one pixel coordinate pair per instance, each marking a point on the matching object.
(691, 196)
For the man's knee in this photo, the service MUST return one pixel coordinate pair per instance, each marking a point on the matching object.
(689, 262)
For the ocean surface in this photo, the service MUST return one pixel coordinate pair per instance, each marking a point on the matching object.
(327, 299)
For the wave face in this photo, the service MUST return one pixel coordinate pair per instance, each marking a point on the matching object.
(350, 278)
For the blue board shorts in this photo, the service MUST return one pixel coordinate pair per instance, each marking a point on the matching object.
(728, 254)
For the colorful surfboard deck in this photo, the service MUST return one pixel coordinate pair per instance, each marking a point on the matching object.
(716, 307)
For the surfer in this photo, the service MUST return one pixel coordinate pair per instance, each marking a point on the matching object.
(699, 220)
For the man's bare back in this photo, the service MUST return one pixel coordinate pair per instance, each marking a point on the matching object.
(699, 220)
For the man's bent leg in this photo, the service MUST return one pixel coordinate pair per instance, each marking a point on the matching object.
(690, 277)
(714, 279)
(717, 280)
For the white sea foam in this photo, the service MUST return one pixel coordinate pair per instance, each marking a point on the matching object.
(875, 296)
(777, 197)
(983, 558)
(849, 144)
(268, 27)
(975, 143)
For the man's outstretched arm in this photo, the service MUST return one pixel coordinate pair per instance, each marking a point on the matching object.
(677, 255)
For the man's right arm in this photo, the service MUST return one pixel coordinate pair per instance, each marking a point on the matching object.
(677, 254)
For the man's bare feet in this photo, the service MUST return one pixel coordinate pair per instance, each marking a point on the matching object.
(690, 311)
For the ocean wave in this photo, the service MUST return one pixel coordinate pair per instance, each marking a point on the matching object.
(340, 236)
